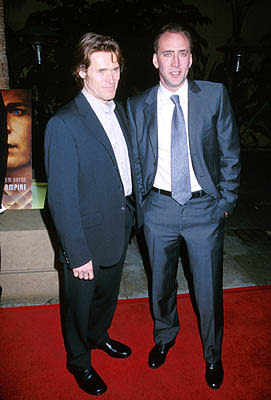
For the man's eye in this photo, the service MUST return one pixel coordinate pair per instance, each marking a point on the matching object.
(167, 54)
(117, 69)
(184, 53)
(100, 71)
(17, 112)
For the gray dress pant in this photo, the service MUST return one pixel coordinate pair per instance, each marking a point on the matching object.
(200, 222)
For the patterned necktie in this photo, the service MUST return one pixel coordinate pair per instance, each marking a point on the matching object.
(180, 177)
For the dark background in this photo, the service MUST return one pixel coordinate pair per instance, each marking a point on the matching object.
(231, 45)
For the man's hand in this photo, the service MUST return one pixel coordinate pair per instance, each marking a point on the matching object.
(84, 272)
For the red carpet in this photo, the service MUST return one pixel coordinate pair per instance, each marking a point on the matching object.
(32, 354)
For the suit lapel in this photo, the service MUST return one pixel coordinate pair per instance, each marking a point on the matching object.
(93, 124)
(150, 115)
(194, 109)
(124, 127)
(123, 124)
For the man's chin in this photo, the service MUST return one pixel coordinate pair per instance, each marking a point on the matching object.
(173, 86)
(109, 95)
(13, 166)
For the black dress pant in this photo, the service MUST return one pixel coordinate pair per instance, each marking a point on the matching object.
(89, 306)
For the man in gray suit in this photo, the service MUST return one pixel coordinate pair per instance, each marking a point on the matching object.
(187, 188)
(93, 198)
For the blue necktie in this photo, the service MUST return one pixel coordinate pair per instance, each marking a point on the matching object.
(180, 177)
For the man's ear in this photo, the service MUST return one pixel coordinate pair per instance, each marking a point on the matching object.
(155, 60)
(191, 60)
(82, 73)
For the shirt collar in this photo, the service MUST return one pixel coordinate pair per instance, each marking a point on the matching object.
(181, 92)
(97, 104)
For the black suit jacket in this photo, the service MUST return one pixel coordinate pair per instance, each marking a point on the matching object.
(213, 138)
(85, 192)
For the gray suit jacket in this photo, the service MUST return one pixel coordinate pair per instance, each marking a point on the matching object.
(213, 137)
(85, 191)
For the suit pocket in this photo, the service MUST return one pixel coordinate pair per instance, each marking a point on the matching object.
(218, 214)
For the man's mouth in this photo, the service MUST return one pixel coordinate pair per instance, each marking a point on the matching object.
(11, 146)
(175, 73)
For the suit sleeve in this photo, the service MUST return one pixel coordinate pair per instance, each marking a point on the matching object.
(138, 169)
(229, 148)
(62, 166)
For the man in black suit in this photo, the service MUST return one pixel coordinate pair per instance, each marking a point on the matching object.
(187, 159)
(93, 200)
(3, 149)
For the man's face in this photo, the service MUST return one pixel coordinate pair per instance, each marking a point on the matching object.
(173, 59)
(18, 127)
(102, 76)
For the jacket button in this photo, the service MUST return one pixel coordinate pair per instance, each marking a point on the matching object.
(122, 208)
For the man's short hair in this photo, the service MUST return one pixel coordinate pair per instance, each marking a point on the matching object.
(91, 43)
(172, 28)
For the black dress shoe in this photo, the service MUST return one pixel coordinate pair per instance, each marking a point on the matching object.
(88, 380)
(214, 374)
(158, 354)
(115, 349)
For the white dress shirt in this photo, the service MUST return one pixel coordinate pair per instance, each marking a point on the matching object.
(165, 108)
(107, 117)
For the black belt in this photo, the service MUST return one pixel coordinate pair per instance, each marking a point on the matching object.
(198, 193)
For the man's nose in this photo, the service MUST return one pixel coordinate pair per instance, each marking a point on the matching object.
(8, 124)
(175, 60)
(110, 76)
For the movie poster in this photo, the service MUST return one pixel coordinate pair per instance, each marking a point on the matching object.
(17, 192)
